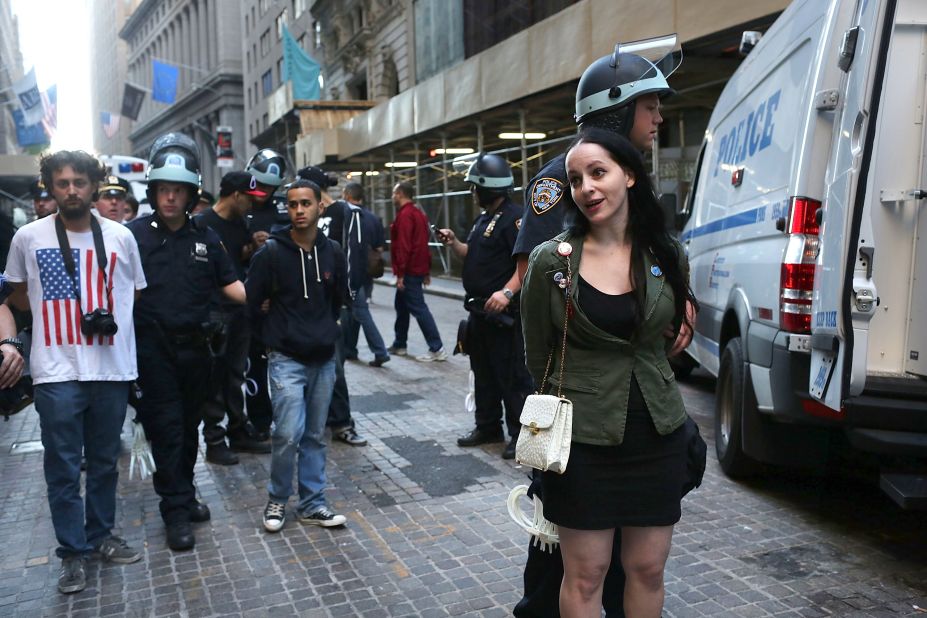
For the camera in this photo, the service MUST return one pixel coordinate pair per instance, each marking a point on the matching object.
(98, 322)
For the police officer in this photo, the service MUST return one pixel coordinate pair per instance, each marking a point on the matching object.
(494, 337)
(42, 201)
(111, 200)
(185, 264)
(621, 93)
(269, 169)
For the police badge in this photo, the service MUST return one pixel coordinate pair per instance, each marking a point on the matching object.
(545, 194)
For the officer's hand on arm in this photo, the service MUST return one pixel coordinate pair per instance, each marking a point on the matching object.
(260, 238)
(235, 292)
(684, 338)
(12, 366)
(496, 303)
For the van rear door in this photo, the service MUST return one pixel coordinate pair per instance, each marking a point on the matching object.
(844, 297)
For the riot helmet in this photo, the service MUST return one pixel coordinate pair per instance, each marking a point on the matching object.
(609, 87)
(174, 157)
(268, 167)
(491, 177)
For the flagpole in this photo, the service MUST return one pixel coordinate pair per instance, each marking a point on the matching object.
(179, 64)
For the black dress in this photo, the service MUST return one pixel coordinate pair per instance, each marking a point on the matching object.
(636, 483)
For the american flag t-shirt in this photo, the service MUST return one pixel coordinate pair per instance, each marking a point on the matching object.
(61, 307)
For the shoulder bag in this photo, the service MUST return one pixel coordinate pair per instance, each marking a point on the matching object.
(547, 420)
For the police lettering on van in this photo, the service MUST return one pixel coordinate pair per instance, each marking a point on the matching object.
(752, 134)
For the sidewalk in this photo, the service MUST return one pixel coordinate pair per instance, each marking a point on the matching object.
(448, 287)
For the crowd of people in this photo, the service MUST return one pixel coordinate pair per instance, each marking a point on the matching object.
(262, 294)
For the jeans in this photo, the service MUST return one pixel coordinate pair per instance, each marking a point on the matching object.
(300, 394)
(74, 417)
(226, 396)
(359, 317)
(339, 410)
(411, 301)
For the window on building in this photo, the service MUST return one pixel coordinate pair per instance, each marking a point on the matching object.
(264, 5)
(249, 98)
(267, 82)
(248, 56)
(247, 24)
(317, 32)
(281, 22)
(280, 70)
(302, 41)
(253, 20)
(299, 7)
(265, 43)
(265, 121)
(254, 53)
(489, 22)
(439, 36)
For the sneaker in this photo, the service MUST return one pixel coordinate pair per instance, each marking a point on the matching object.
(73, 576)
(437, 355)
(323, 517)
(220, 454)
(350, 436)
(379, 361)
(397, 350)
(115, 549)
(274, 516)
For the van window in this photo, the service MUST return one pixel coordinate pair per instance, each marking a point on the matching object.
(690, 196)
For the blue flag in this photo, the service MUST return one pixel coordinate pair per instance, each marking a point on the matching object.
(164, 82)
(29, 135)
(299, 67)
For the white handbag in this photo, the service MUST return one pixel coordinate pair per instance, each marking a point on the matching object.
(547, 420)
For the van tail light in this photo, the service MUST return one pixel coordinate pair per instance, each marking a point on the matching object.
(796, 279)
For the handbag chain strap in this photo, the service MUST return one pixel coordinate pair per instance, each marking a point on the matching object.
(566, 317)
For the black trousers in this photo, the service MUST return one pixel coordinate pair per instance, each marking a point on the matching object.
(172, 380)
(259, 410)
(497, 358)
(544, 573)
(225, 395)
(339, 411)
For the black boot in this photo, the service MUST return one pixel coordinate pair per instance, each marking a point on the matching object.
(180, 536)
(480, 436)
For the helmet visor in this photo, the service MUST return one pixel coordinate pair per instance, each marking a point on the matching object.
(663, 52)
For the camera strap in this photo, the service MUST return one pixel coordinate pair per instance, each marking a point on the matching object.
(68, 258)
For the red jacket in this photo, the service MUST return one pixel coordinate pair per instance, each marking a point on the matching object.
(408, 234)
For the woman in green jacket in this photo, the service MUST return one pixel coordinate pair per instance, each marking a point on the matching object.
(622, 282)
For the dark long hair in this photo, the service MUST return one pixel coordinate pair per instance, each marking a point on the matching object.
(646, 223)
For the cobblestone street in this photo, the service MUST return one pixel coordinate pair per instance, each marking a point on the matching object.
(428, 533)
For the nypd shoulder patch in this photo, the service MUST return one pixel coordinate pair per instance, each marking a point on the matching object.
(545, 195)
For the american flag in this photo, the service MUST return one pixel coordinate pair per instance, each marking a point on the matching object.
(50, 111)
(61, 309)
(110, 123)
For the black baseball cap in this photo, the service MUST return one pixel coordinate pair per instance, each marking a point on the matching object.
(318, 176)
(240, 181)
(114, 185)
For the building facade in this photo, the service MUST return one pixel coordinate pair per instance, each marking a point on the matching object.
(11, 69)
(203, 39)
(108, 71)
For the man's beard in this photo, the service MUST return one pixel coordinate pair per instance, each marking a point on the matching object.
(74, 211)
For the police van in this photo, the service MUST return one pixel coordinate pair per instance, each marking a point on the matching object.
(807, 240)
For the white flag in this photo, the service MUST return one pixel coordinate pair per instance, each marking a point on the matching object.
(30, 100)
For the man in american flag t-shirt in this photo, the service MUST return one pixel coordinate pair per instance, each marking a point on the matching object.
(81, 376)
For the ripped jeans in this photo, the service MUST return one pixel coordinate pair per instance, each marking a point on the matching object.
(300, 394)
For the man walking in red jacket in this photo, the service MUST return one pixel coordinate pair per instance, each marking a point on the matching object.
(411, 262)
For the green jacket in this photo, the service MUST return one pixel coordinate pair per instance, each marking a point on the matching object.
(597, 374)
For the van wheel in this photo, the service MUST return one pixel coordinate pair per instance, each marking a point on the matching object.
(729, 400)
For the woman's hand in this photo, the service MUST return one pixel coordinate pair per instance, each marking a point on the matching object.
(684, 338)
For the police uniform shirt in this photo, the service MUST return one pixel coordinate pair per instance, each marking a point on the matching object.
(269, 216)
(489, 264)
(546, 201)
(183, 268)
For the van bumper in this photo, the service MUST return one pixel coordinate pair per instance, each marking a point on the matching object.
(887, 425)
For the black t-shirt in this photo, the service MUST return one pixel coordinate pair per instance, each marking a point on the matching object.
(546, 199)
(332, 222)
(489, 263)
(234, 235)
(269, 216)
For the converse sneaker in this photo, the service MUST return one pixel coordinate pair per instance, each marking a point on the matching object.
(323, 517)
(437, 355)
(350, 436)
(274, 516)
(73, 576)
(397, 350)
(115, 549)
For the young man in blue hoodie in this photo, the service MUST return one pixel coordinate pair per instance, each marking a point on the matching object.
(303, 276)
